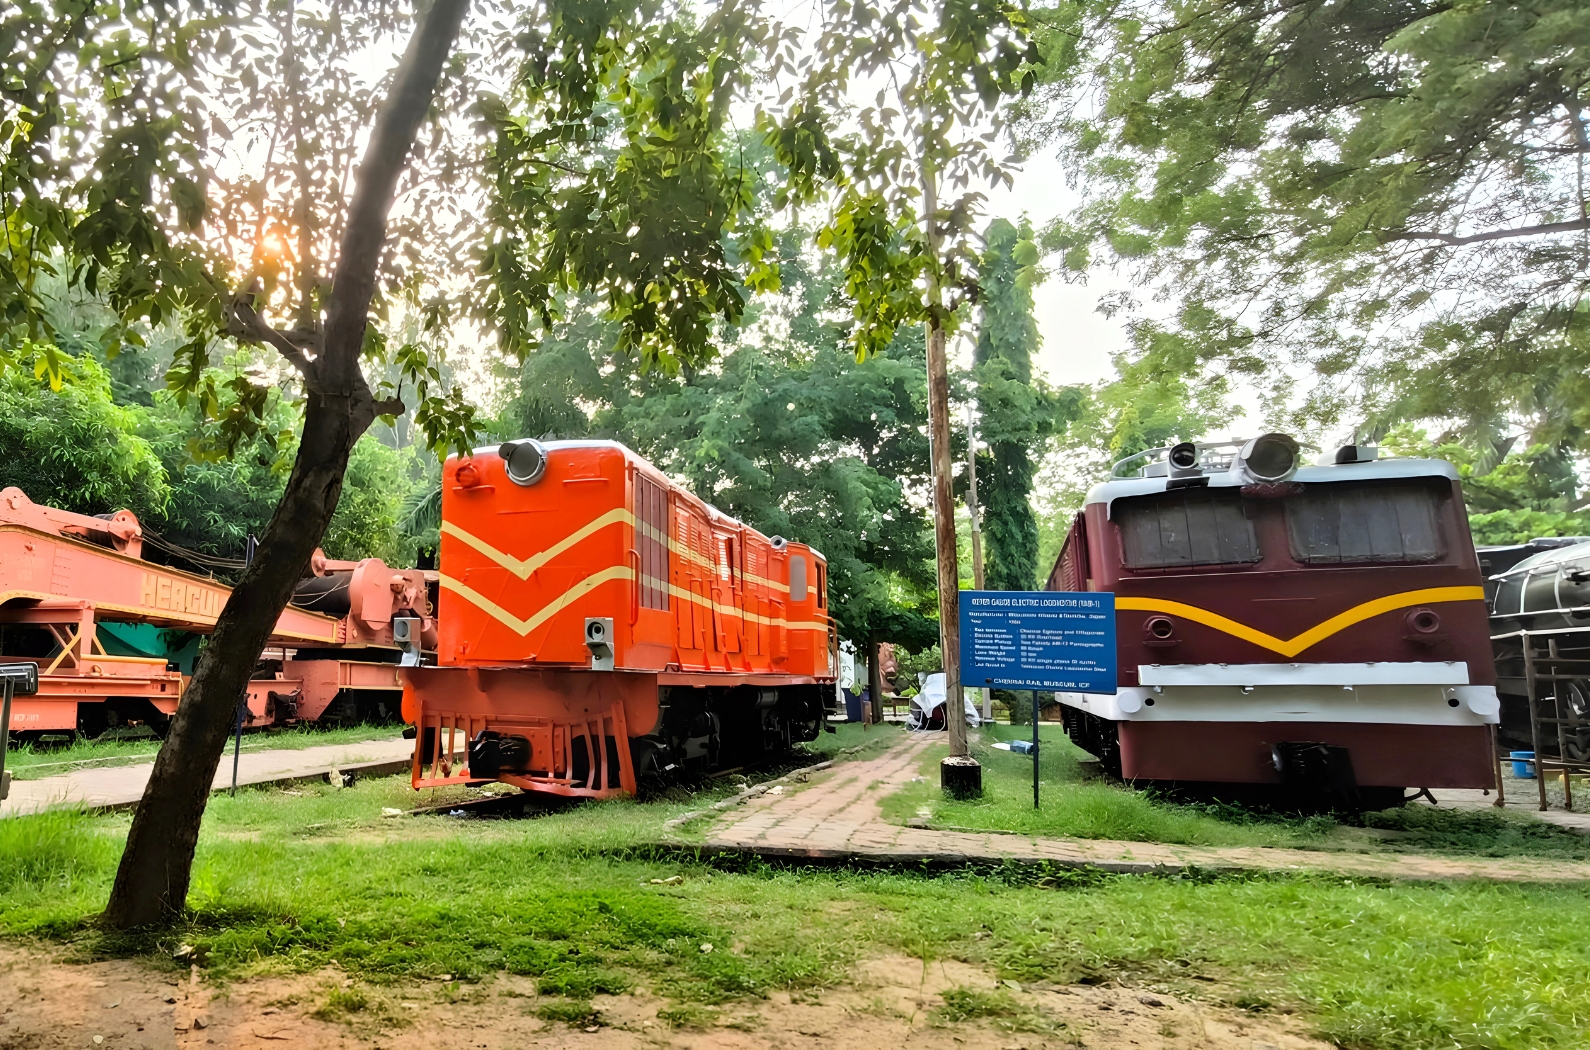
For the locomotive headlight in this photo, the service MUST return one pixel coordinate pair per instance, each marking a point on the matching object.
(1159, 628)
(1269, 458)
(526, 460)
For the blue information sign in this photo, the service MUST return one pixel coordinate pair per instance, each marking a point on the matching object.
(1059, 640)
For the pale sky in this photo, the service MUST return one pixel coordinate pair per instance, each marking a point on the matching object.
(1077, 340)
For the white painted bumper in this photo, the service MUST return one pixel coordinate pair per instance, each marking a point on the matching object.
(1392, 694)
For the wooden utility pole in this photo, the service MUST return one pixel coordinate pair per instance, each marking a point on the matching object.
(875, 679)
(960, 775)
(949, 570)
(977, 531)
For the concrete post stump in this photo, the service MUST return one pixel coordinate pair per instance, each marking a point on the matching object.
(961, 776)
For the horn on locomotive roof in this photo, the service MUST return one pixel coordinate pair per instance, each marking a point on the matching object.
(1186, 459)
(1265, 459)
(1183, 460)
(1269, 458)
(526, 460)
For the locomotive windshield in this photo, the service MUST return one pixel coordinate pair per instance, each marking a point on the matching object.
(1186, 527)
(1387, 522)
(1367, 522)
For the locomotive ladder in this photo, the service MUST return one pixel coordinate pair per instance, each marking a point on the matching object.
(1551, 678)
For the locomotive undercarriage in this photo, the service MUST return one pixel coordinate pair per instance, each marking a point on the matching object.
(696, 730)
(1313, 776)
(700, 730)
(1099, 737)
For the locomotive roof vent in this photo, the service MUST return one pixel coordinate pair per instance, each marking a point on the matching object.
(1268, 458)
(526, 460)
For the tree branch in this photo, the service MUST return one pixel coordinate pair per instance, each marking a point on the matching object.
(1452, 240)
(246, 323)
(364, 236)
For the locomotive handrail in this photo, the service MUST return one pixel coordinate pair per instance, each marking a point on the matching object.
(634, 590)
(1115, 469)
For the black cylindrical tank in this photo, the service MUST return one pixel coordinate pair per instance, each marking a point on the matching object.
(324, 594)
(1546, 591)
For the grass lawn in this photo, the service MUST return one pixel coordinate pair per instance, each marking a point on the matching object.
(584, 901)
(29, 762)
(1074, 805)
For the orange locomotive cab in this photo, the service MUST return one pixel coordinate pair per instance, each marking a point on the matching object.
(599, 625)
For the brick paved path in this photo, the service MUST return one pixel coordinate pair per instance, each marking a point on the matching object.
(837, 817)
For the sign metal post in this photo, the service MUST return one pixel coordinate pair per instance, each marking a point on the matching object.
(1039, 640)
(249, 547)
(1035, 749)
(5, 738)
(14, 678)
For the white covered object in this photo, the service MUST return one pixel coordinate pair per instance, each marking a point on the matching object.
(925, 706)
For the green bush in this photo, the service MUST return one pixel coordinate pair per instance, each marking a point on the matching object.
(74, 448)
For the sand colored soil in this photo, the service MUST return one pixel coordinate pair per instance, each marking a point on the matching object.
(50, 1002)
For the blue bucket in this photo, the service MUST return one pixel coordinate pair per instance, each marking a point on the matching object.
(1523, 764)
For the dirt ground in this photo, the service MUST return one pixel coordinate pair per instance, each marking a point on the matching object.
(47, 1003)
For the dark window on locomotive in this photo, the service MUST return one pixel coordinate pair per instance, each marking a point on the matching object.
(822, 586)
(1365, 522)
(651, 542)
(1186, 527)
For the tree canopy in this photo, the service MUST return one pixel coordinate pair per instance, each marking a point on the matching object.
(1019, 413)
(1383, 202)
(788, 432)
(226, 168)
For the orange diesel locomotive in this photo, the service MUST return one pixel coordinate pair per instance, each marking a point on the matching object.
(601, 626)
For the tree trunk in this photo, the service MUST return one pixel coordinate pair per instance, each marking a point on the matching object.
(152, 882)
(948, 556)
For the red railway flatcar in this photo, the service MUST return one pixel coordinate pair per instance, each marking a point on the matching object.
(601, 625)
(1322, 626)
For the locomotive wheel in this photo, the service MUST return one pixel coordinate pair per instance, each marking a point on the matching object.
(649, 757)
(92, 721)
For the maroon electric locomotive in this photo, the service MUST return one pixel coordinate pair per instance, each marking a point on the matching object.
(1320, 625)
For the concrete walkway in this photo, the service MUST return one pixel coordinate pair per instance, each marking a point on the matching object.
(1523, 797)
(124, 785)
(838, 818)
